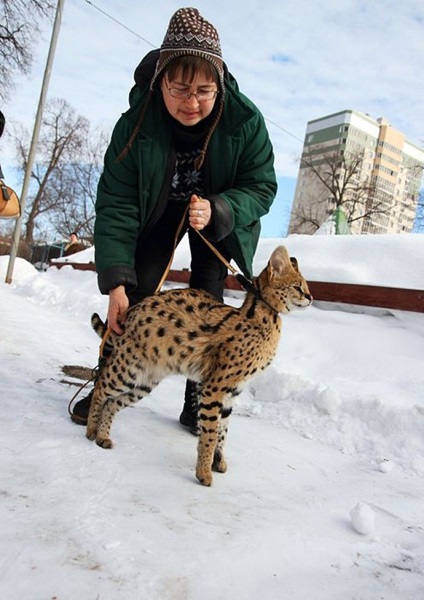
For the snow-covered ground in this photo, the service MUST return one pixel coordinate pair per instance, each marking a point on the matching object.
(326, 444)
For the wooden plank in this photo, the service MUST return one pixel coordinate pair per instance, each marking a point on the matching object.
(368, 295)
(77, 266)
(345, 293)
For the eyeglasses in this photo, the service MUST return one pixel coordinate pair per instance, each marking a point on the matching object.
(184, 95)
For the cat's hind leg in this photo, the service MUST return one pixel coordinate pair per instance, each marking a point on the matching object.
(95, 412)
(112, 404)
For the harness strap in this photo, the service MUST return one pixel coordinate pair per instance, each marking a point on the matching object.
(218, 253)
(245, 283)
(249, 286)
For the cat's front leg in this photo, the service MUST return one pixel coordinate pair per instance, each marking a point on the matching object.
(205, 453)
(219, 463)
(210, 408)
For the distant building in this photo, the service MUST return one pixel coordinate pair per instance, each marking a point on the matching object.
(387, 178)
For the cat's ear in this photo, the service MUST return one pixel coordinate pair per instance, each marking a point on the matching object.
(294, 264)
(279, 261)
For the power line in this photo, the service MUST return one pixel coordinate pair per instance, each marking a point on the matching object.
(121, 24)
(282, 129)
(155, 46)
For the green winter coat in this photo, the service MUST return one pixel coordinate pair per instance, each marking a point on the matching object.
(239, 172)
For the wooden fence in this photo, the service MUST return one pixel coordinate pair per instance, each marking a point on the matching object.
(345, 293)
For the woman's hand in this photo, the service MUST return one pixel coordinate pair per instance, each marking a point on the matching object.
(118, 305)
(200, 212)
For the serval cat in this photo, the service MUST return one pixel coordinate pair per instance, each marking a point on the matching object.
(188, 332)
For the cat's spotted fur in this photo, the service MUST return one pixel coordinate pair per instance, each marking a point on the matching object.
(186, 331)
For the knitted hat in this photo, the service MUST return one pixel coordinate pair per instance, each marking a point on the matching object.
(190, 34)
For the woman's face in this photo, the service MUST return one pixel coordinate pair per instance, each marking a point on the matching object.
(189, 102)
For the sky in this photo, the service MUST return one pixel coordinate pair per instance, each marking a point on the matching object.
(295, 59)
(323, 494)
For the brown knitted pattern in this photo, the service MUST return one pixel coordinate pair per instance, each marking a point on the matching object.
(189, 30)
(189, 33)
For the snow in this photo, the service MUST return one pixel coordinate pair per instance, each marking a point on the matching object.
(363, 518)
(323, 495)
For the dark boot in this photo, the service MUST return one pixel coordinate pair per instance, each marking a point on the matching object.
(80, 410)
(188, 417)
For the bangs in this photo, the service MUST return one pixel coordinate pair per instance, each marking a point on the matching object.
(189, 66)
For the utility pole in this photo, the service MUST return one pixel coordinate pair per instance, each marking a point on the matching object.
(34, 140)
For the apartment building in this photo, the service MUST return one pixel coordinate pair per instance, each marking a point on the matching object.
(376, 169)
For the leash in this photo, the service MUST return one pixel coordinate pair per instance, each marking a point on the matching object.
(79, 390)
(77, 393)
(245, 283)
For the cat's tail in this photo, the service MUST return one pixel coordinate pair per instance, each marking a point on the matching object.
(103, 332)
(98, 325)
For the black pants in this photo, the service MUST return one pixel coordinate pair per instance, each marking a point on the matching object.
(154, 251)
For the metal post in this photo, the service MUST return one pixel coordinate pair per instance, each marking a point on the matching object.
(34, 141)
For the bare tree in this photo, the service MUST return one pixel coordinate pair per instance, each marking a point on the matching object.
(419, 216)
(19, 25)
(306, 218)
(339, 183)
(76, 185)
(416, 171)
(65, 174)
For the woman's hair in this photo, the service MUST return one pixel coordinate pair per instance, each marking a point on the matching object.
(189, 66)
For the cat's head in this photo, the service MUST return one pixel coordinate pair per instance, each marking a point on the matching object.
(285, 288)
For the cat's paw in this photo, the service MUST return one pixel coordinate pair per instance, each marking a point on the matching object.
(91, 433)
(219, 463)
(104, 442)
(204, 476)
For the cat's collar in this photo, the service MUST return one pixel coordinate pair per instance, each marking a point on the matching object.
(249, 286)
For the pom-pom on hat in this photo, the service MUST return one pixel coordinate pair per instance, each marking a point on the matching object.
(190, 34)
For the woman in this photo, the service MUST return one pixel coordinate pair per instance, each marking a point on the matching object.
(190, 141)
